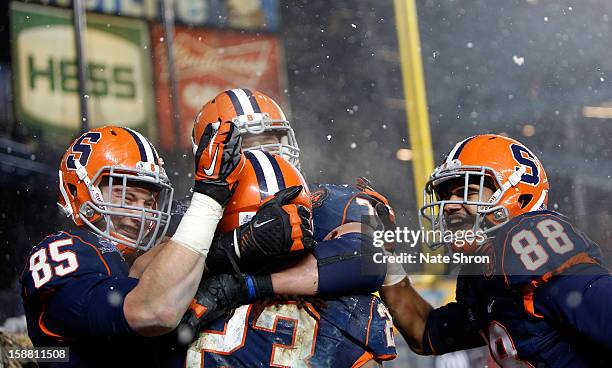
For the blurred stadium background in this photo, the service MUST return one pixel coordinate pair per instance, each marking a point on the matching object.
(539, 71)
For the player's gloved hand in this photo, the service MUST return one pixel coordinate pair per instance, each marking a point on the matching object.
(216, 296)
(218, 161)
(384, 211)
(386, 218)
(278, 231)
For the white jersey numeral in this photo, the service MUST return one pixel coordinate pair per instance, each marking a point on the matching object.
(502, 347)
(304, 335)
(233, 337)
(41, 269)
(531, 253)
(383, 312)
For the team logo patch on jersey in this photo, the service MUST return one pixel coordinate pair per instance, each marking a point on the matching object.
(106, 246)
(179, 207)
(318, 197)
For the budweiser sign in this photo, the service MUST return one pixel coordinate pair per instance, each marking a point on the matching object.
(193, 57)
(206, 63)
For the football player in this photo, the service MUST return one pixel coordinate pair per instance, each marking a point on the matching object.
(348, 331)
(337, 209)
(544, 297)
(77, 287)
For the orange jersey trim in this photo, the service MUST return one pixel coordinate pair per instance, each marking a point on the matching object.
(369, 321)
(363, 359)
(385, 357)
(94, 248)
(346, 207)
(431, 344)
(580, 258)
(45, 330)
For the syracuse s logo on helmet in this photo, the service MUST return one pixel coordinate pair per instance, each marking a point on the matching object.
(83, 147)
(525, 158)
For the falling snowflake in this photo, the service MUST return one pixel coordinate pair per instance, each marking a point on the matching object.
(518, 60)
(574, 299)
(115, 298)
(184, 334)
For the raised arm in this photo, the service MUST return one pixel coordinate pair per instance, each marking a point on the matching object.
(427, 330)
(170, 280)
(409, 311)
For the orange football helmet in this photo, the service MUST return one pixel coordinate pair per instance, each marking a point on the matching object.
(263, 175)
(119, 157)
(253, 113)
(514, 173)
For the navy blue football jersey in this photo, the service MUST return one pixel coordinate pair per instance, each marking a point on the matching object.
(344, 252)
(348, 332)
(542, 301)
(538, 243)
(334, 205)
(73, 286)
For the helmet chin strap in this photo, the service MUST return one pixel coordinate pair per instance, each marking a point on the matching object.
(67, 208)
(84, 177)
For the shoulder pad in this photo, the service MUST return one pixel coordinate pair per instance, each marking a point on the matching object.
(68, 255)
(539, 243)
(335, 205)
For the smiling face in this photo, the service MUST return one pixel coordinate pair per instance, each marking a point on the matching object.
(460, 216)
(135, 197)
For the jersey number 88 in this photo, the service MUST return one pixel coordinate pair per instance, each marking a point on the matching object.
(525, 243)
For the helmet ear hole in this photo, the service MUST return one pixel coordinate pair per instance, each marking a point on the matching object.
(72, 189)
(524, 199)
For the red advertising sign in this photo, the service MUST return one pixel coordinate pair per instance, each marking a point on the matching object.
(206, 63)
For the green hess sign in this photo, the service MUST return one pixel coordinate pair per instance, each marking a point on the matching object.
(45, 70)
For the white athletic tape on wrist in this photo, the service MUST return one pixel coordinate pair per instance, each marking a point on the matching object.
(395, 273)
(199, 223)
